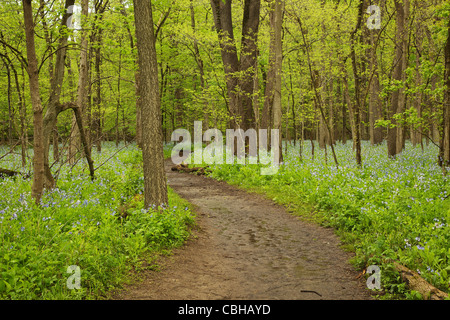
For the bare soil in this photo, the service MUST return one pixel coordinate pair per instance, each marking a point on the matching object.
(247, 247)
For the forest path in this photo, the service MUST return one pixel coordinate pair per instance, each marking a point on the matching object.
(247, 247)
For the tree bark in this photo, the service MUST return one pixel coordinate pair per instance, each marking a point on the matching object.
(397, 96)
(375, 103)
(200, 66)
(446, 111)
(415, 282)
(96, 121)
(74, 143)
(267, 112)
(224, 27)
(155, 184)
(401, 130)
(356, 75)
(54, 100)
(239, 86)
(38, 158)
(278, 53)
(248, 58)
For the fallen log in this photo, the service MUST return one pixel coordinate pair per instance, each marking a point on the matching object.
(8, 173)
(415, 282)
(184, 168)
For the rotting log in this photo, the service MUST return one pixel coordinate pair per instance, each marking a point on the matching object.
(415, 282)
(8, 173)
(184, 168)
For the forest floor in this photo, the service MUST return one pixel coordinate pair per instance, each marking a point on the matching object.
(247, 247)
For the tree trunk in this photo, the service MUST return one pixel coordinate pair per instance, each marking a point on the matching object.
(416, 133)
(38, 158)
(224, 27)
(97, 85)
(278, 46)
(446, 111)
(155, 184)
(397, 96)
(401, 130)
(267, 112)
(239, 86)
(248, 59)
(375, 103)
(356, 75)
(54, 100)
(74, 144)
(200, 66)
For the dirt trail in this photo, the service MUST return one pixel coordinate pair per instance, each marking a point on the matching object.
(248, 248)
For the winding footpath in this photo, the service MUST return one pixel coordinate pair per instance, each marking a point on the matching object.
(247, 247)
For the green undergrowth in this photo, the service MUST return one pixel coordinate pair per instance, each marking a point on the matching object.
(81, 223)
(387, 210)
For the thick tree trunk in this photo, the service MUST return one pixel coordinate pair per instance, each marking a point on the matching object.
(155, 184)
(239, 86)
(248, 59)
(224, 27)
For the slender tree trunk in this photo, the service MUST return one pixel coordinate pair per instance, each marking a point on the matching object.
(54, 100)
(23, 117)
(315, 84)
(356, 75)
(155, 184)
(118, 93)
(8, 65)
(401, 130)
(397, 96)
(375, 103)
(278, 46)
(267, 112)
(97, 98)
(446, 111)
(200, 66)
(74, 144)
(416, 133)
(38, 158)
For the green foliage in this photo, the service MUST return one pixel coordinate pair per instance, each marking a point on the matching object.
(388, 210)
(79, 223)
